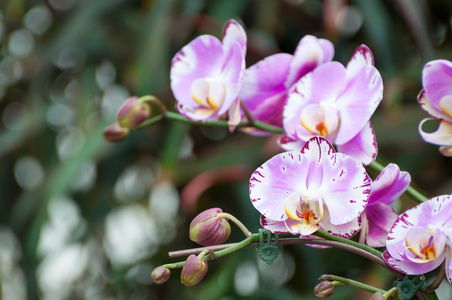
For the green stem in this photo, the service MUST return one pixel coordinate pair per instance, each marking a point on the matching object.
(391, 292)
(149, 122)
(236, 222)
(353, 283)
(326, 235)
(180, 118)
(248, 241)
(412, 192)
(154, 100)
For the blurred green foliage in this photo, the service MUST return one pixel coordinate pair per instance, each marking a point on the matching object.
(84, 219)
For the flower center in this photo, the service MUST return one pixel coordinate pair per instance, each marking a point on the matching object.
(427, 244)
(209, 92)
(304, 212)
(320, 119)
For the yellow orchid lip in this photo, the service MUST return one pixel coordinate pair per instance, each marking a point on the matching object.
(424, 250)
(209, 92)
(306, 210)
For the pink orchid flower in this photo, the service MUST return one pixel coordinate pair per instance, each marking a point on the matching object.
(301, 192)
(336, 103)
(436, 100)
(420, 239)
(206, 75)
(378, 217)
(265, 84)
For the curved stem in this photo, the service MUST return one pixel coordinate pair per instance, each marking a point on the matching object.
(236, 222)
(412, 192)
(149, 122)
(180, 118)
(247, 113)
(252, 242)
(435, 284)
(225, 251)
(353, 283)
(326, 235)
(391, 292)
(154, 100)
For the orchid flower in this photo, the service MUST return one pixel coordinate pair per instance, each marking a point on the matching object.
(420, 239)
(265, 84)
(378, 217)
(336, 103)
(436, 100)
(301, 192)
(206, 75)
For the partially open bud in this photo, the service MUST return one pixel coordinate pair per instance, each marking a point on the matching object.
(193, 271)
(160, 274)
(133, 112)
(208, 228)
(115, 133)
(377, 296)
(324, 289)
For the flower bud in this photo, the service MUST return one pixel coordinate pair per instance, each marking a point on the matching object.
(133, 113)
(193, 271)
(160, 274)
(324, 289)
(115, 133)
(377, 296)
(209, 229)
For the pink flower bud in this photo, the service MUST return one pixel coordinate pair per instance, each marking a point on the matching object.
(133, 113)
(160, 274)
(324, 289)
(193, 271)
(115, 133)
(209, 229)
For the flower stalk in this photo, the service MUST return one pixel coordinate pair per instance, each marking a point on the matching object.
(350, 282)
(237, 222)
(180, 118)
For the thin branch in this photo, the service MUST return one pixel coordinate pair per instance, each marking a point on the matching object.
(351, 282)
(303, 241)
(180, 118)
(435, 284)
(247, 113)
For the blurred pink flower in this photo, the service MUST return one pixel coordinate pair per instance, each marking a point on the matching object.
(265, 84)
(436, 100)
(336, 103)
(206, 75)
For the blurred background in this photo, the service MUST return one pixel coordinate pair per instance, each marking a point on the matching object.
(81, 218)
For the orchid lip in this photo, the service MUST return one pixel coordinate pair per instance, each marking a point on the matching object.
(209, 92)
(307, 209)
(422, 245)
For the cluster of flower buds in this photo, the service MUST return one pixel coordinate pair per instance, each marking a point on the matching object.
(209, 228)
(132, 113)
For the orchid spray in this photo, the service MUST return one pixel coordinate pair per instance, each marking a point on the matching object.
(319, 192)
